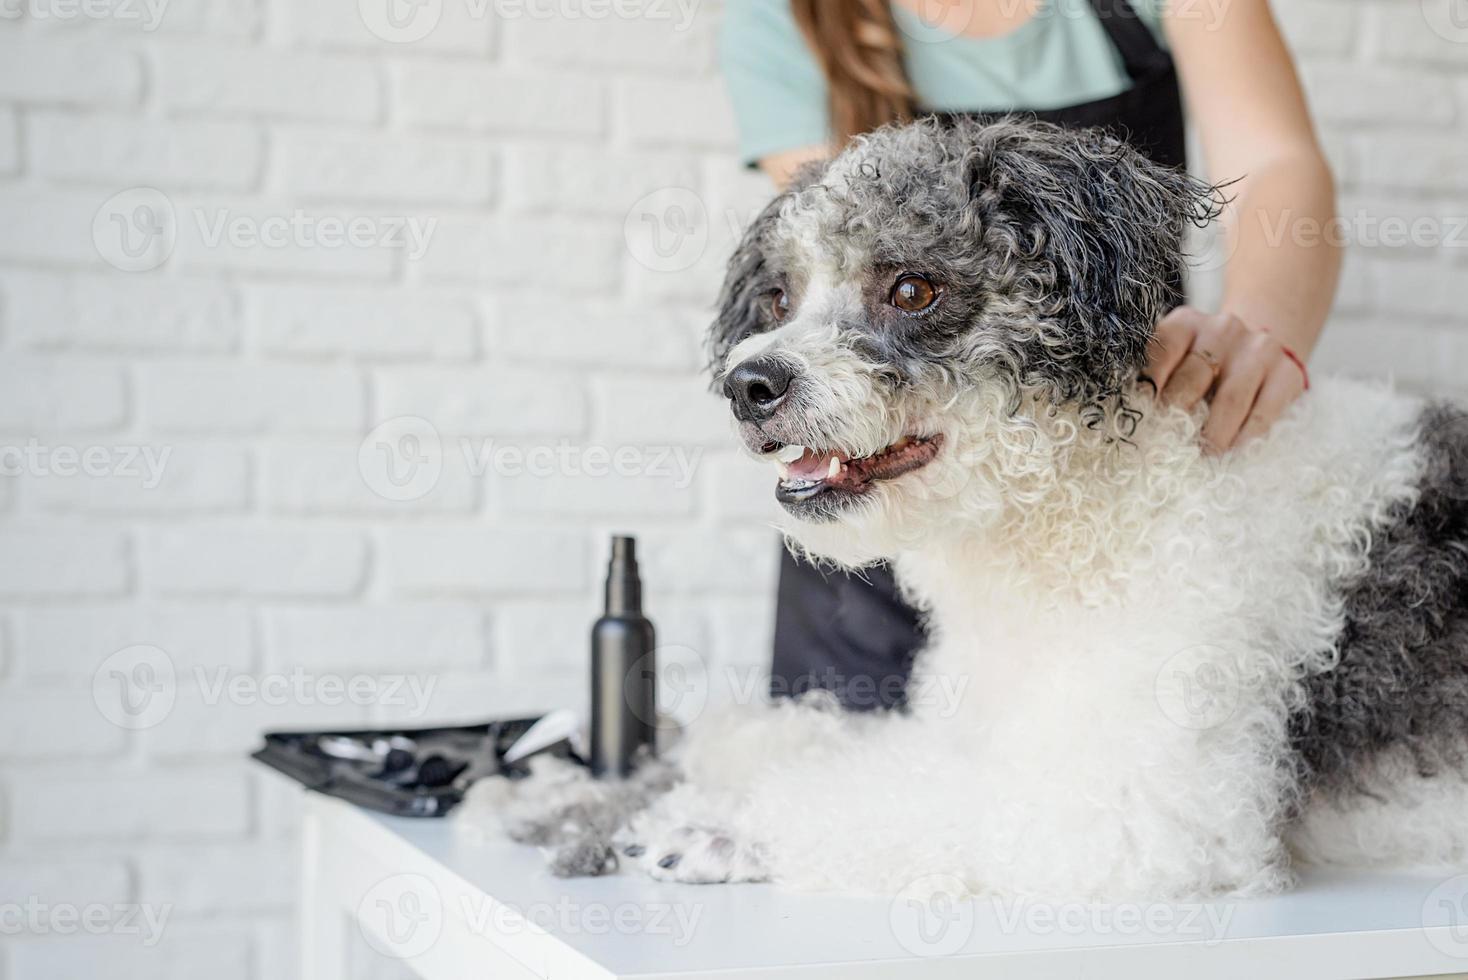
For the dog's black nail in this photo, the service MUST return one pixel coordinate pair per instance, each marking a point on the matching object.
(669, 861)
(634, 850)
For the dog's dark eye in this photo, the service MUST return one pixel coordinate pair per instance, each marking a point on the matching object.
(779, 305)
(914, 293)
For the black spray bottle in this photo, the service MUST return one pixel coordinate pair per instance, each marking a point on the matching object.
(623, 671)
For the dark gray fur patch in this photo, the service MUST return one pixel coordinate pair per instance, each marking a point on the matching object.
(1057, 251)
(1402, 680)
(578, 828)
(749, 278)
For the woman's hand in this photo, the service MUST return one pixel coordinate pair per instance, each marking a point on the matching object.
(1247, 376)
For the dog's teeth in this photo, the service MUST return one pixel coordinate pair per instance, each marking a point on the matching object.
(790, 454)
(834, 468)
(783, 469)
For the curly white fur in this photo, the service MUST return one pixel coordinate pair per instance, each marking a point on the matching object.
(1086, 611)
(1128, 629)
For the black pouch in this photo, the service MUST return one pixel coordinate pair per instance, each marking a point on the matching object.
(406, 772)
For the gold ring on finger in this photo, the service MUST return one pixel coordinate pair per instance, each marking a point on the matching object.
(1206, 357)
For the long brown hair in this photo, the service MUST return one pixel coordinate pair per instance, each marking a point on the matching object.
(860, 52)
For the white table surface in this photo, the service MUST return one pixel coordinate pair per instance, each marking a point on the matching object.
(451, 907)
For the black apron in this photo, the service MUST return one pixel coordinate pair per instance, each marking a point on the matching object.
(853, 635)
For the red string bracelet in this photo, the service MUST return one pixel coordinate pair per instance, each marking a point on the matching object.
(1304, 371)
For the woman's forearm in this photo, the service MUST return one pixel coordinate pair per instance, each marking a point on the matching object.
(1286, 249)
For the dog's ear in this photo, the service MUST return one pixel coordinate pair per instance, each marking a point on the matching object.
(748, 277)
(1108, 224)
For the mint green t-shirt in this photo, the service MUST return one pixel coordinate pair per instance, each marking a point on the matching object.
(1061, 56)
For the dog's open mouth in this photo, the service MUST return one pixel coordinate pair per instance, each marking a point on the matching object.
(808, 475)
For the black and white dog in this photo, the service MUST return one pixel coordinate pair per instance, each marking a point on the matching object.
(1153, 672)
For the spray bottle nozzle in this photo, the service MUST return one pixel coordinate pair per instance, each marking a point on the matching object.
(624, 588)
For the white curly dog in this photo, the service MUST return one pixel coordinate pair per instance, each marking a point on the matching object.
(1152, 672)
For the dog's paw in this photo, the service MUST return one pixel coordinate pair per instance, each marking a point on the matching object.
(694, 855)
(586, 857)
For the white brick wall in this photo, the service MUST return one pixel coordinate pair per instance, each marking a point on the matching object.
(277, 320)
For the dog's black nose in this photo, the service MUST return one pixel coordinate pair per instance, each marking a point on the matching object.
(758, 387)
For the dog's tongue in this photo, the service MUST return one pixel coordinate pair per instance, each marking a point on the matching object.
(814, 465)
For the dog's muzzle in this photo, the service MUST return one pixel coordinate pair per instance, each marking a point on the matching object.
(758, 387)
(816, 482)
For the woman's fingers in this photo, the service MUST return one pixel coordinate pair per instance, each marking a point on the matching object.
(1193, 378)
(1282, 386)
(1244, 373)
(1214, 345)
(1171, 342)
